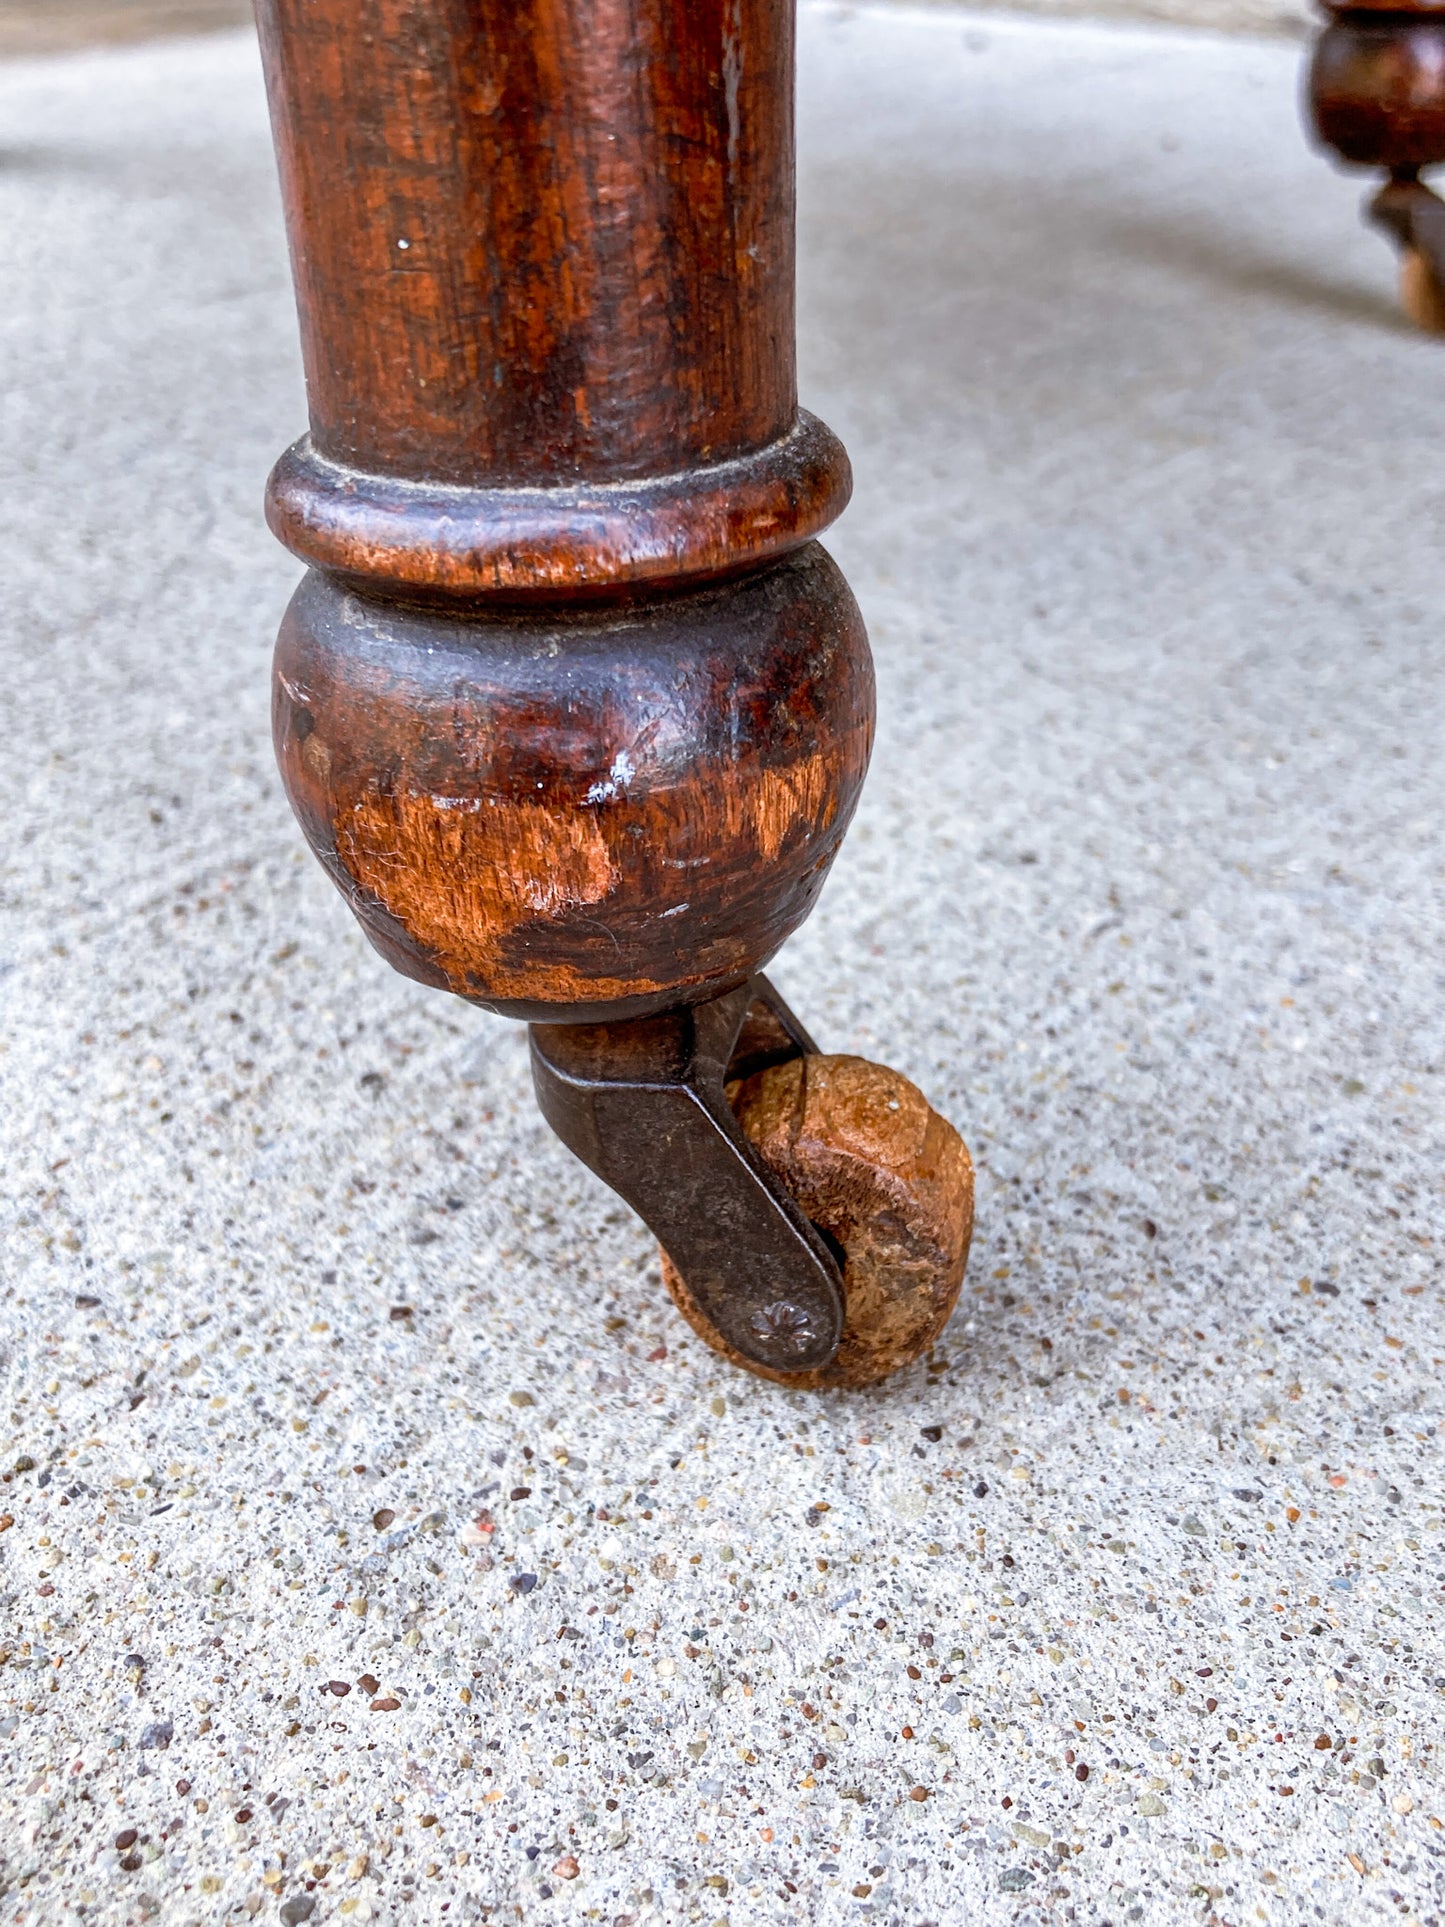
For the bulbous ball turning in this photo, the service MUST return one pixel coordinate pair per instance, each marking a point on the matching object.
(1377, 89)
(579, 814)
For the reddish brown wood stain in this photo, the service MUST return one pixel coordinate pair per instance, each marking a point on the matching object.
(580, 540)
(574, 712)
(540, 812)
(564, 243)
(1377, 97)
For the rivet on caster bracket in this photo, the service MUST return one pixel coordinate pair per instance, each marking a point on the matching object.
(644, 1105)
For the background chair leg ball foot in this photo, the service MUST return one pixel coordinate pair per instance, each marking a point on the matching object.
(1376, 98)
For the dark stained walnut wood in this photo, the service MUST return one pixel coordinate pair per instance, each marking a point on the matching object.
(538, 241)
(544, 264)
(454, 541)
(574, 714)
(891, 1184)
(579, 816)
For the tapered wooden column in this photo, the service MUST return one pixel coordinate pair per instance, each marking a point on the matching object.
(571, 706)
(1377, 98)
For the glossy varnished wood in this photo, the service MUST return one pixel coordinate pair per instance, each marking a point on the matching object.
(543, 254)
(585, 539)
(564, 247)
(1377, 87)
(569, 815)
(572, 709)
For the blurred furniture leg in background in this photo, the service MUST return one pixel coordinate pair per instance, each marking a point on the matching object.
(571, 706)
(1377, 97)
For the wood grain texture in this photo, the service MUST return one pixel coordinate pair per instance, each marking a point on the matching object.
(573, 711)
(446, 540)
(544, 264)
(877, 1169)
(579, 818)
(539, 240)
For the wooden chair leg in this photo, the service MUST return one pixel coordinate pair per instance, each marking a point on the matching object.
(571, 706)
(1377, 97)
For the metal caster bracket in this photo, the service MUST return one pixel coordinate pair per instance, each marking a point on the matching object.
(1413, 214)
(643, 1105)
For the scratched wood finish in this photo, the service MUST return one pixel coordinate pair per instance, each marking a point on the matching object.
(431, 538)
(572, 709)
(565, 243)
(544, 262)
(621, 811)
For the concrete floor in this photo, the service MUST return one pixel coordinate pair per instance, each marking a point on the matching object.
(1299, 19)
(51, 26)
(30, 27)
(1145, 892)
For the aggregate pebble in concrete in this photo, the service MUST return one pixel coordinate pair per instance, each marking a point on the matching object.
(378, 1545)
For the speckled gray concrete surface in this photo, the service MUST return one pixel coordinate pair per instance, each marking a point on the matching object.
(378, 1545)
(1296, 18)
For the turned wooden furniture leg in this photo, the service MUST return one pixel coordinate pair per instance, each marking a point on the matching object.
(1377, 97)
(571, 705)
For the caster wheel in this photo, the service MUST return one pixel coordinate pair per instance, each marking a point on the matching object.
(886, 1180)
(1421, 295)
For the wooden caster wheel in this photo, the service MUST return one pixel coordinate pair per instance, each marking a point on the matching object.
(1421, 295)
(889, 1183)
